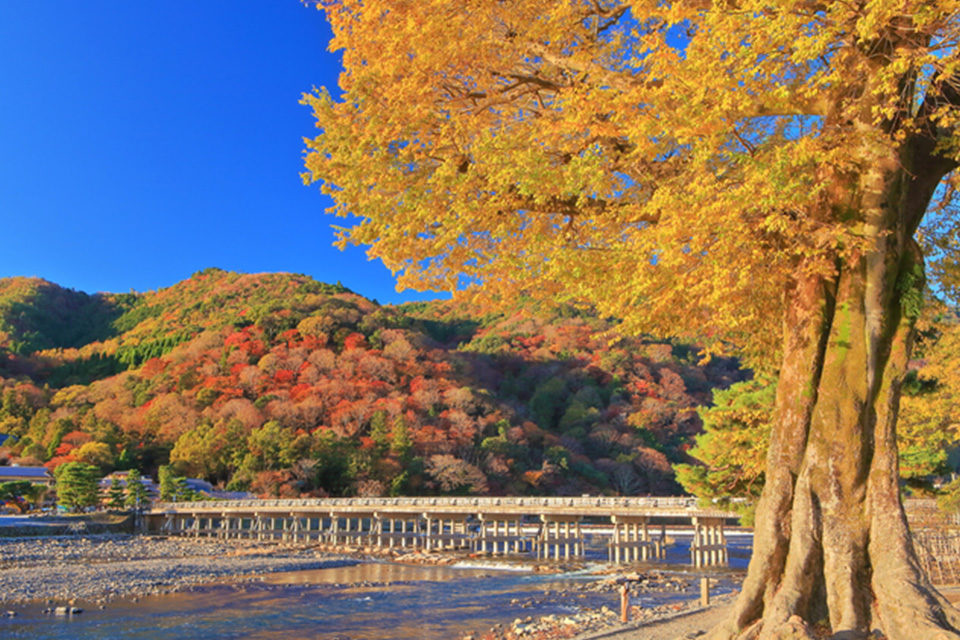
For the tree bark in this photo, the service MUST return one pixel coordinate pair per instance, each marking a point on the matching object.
(831, 543)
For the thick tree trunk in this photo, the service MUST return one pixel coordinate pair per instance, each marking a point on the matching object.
(831, 544)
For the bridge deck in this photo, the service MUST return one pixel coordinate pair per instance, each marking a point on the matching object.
(493, 525)
(659, 507)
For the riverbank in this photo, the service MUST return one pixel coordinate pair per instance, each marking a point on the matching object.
(99, 568)
(668, 619)
(17, 526)
(681, 625)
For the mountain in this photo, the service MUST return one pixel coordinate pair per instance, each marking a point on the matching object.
(36, 314)
(282, 385)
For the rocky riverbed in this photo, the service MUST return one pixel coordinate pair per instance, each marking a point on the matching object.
(102, 567)
(587, 622)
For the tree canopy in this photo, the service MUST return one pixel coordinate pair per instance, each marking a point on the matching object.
(77, 485)
(648, 157)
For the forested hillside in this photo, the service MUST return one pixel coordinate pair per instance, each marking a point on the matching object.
(281, 385)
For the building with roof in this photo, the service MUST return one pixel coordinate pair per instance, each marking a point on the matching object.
(36, 475)
(205, 488)
(153, 491)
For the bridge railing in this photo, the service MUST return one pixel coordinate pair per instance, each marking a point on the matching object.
(659, 502)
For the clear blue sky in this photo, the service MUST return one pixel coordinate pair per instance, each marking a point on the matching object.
(143, 141)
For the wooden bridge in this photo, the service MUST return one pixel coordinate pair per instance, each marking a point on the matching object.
(546, 527)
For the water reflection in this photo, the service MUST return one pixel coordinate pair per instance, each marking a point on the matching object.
(375, 572)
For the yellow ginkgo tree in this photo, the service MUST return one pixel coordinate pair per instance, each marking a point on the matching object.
(745, 174)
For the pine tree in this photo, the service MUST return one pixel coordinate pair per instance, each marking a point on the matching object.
(77, 485)
(400, 442)
(379, 433)
(137, 495)
(168, 486)
(183, 493)
(115, 494)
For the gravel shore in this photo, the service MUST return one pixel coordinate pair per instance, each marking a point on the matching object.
(676, 618)
(98, 568)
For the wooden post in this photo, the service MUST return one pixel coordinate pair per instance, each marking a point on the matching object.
(709, 559)
(624, 603)
(695, 545)
(645, 553)
(616, 542)
(704, 591)
(556, 540)
(724, 552)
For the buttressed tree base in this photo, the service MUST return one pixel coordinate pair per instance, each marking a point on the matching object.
(740, 173)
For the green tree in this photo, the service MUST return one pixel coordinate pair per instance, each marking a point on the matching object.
(400, 442)
(379, 433)
(210, 451)
(17, 492)
(733, 445)
(335, 463)
(167, 480)
(183, 493)
(174, 488)
(77, 485)
(98, 454)
(271, 447)
(115, 494)
(548, 402)
(137, 495)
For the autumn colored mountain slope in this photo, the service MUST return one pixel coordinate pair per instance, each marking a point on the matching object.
(282, 385)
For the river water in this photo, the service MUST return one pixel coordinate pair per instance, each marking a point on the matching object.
(366, 601)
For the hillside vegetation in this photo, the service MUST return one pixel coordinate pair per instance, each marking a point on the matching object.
(282, 385)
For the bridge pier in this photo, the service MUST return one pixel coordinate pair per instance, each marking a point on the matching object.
(560, 533)
(709, 546)
(350, 534)
(498, 532)
(392, 529)
(444, 531)
(631, 540)
(451, 532)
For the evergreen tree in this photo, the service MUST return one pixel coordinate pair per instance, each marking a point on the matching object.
(77, 485)
(183, 493)
(16, 492)
(115, 494)
(400, 441)
(168, 483)
(379, 433)
(137, 495)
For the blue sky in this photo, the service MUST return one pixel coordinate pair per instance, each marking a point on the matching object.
(143, 141)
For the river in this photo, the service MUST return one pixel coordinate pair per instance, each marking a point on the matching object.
(366, 601)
